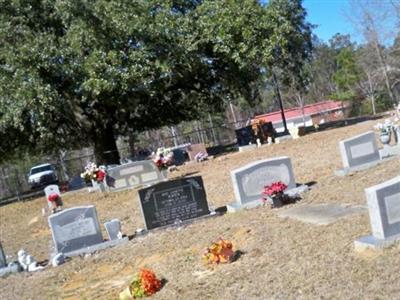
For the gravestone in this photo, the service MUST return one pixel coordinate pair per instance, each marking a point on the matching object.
(4, 268)
(194, 149)
(384, 213)
(358, 153)
(75, 228)
(113, 229)
(76, 183)
(179, 157)
(245, 136)
(175, 200)
(53, 189)
(3, 261)
(249, 181)
(133, 174)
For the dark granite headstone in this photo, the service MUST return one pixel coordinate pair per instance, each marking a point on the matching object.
(179, 157)
(245, 136)
(176, 200)
(76, 183)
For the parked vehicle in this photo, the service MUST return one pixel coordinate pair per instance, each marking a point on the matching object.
(42, 175)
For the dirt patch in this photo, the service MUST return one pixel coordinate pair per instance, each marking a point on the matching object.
(282, 258)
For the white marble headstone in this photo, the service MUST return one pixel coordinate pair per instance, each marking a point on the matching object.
(51, 189)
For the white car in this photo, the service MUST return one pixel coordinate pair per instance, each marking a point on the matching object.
(42, 175)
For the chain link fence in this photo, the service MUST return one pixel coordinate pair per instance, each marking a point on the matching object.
(70, 164)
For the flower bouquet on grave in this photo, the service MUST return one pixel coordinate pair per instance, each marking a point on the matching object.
(219, 252)
(163, 158)
(275, 193)
(92, 172)
(144, 284)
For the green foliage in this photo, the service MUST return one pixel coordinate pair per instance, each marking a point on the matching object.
(289, 46)
(75, 73)
(347, 73)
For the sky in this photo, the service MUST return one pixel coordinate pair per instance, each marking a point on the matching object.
(330, 17)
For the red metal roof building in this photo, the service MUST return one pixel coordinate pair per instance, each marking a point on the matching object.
(315, 113)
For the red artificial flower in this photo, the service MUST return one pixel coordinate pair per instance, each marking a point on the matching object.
(149, 282)
(101, 174)
(52, 197)
(274, 188)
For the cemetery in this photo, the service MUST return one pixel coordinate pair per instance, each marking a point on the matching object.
(321, 244)
(199, 149)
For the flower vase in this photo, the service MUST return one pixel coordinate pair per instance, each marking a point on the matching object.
(385, 138)
(277, 199)
(126, 294)
(102, 186)
(164, 173)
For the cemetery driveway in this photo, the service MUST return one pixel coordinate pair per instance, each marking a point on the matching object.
(281, 258)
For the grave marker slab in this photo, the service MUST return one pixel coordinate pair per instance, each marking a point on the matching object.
(75, 228)
(358, 153)
(384, 212)
(113, 228)
(249, 181)
(175, 200)
(320, 214)
(134, 174)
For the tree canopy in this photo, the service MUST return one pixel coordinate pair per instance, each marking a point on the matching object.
(78, 73)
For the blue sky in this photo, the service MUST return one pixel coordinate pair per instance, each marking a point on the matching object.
(330, 17)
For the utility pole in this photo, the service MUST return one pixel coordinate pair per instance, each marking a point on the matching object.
(278, 95)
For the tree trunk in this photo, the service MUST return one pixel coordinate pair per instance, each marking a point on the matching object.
(131, 143)
(372, 93)
(105, 147)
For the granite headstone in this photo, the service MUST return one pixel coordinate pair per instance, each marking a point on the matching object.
(113, 229)
(249, 181)
(175, 200)
(384, 212)
(75, 228)
(359, 152)
(245, 136)
(134, 174)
